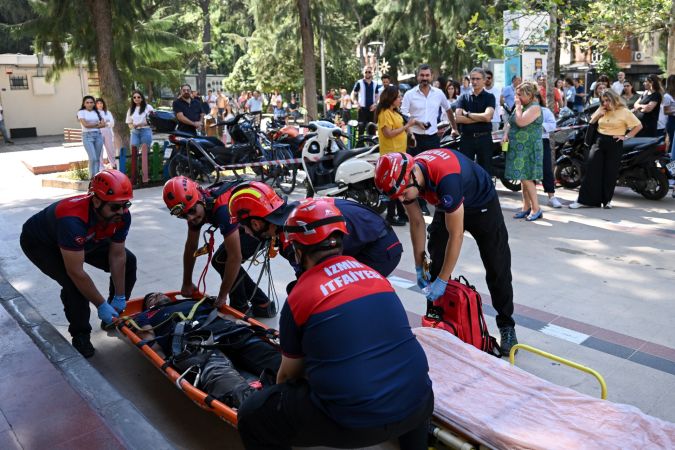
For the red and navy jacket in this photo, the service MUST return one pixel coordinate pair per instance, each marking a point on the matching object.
(72, 224)
(451, 179)
(216, 204)
(364, 366)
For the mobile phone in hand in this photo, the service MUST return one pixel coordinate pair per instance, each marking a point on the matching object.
(427, 125)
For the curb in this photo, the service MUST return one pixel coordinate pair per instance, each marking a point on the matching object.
(118, 413)
(65, 184)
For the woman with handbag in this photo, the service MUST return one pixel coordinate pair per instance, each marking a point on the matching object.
(613, 121)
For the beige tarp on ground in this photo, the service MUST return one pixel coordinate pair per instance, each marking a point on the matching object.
(506, 407)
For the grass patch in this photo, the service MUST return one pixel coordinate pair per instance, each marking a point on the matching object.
(78, 171)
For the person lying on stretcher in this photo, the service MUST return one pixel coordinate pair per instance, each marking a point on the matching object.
(194, 337)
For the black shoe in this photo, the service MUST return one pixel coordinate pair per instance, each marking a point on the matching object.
(83, 345)
(10, 142)
(508, 339)
(395, 221)
(425, 210)
(264, 312)
(404, 218)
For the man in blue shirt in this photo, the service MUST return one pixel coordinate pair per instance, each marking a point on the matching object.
(188, 111)
(508, 97)
(579, 96)
(89, 228)
(474, 114)
(465, 199)
(352, 373)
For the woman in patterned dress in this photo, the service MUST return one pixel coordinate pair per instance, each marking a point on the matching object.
(524, 158)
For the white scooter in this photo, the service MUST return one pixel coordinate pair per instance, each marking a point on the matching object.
(333, 170)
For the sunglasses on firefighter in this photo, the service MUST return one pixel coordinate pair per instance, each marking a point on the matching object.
(114, 207)
(179, 211)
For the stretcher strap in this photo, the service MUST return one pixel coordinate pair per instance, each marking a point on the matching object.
(209, 400)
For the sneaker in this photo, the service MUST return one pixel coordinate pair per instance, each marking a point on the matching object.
(576, 205)
(508, 339)
(83, 345)
(608, 205)
(554, 202)
(425, 210)
(264, 312)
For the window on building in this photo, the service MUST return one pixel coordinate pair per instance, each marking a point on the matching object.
(17, 82)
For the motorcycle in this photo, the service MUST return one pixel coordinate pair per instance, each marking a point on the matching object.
(199, 157)
(498, 160)
(569, 150)
(642, 168)
(333, 170)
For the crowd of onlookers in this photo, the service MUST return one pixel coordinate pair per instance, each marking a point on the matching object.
(379, 102)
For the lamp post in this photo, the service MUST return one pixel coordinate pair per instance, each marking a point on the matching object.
(378, 49)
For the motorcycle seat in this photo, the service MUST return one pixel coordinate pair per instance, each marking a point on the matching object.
(343, 155)
(639, 143)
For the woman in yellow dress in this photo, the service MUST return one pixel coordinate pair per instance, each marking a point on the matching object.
(392, 136)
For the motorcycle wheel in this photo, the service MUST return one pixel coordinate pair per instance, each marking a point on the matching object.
(656, 185)
(369, 197)
(282, 177)
(512, 185)
(568, 173)
(179, 165)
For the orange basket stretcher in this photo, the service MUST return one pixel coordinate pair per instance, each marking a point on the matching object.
(199, 397)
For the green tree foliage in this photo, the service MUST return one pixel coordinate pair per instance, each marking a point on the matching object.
(14, 12)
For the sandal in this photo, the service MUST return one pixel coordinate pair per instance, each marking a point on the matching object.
(521, 214)
(538, 215)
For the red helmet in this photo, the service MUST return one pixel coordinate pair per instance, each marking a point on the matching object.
(253, 199)
(313, 220)
(111, 185)
(180, 194)
(392, 173)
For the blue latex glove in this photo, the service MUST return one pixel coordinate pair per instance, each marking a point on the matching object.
(422, 277)
(106, 313)
(119, 302)
(437, 289)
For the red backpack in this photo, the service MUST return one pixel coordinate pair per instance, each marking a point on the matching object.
(460, 311)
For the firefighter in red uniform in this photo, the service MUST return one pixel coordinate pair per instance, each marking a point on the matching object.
(370, 239)
(352, 373)
(187, 200)
(465, 199)
(89, 228)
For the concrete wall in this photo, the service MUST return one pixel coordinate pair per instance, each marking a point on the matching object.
(49, 109)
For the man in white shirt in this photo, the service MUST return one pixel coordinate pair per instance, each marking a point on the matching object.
(617, 86)
(492, 89)
(3, 130)
(422, 104)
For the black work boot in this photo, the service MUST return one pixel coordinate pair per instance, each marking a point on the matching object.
(266, 312)
(508, 339)
(83, 345)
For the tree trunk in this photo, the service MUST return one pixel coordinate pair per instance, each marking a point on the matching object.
(109, 76)
(308, 58)
(670, 64)
(551, 55)
(206, 47)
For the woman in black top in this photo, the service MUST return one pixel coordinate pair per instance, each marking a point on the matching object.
(647, 108)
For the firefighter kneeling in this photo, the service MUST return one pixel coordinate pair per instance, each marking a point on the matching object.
(352, 373)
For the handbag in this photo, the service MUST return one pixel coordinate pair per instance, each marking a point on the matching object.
(591, 134)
